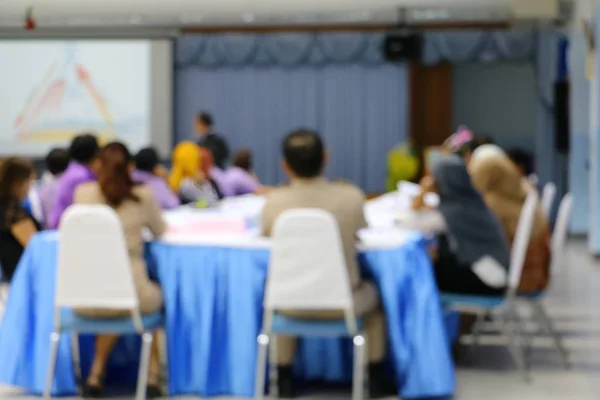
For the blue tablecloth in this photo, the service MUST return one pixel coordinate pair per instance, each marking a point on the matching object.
(213, 298)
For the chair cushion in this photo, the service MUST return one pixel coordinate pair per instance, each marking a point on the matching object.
(70, 321)
(309, 327)
(450, 300)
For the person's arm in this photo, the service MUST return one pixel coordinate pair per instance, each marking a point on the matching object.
(223, 150)
(64, 199)
(23, 230)
(427, 185)
(155, 220)
(165, 196)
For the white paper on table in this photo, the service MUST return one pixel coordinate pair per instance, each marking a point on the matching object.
(383, 237)
(249, 205)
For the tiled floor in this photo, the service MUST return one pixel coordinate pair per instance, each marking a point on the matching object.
(487, 372)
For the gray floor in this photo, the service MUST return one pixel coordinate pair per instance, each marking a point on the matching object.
(487, 372)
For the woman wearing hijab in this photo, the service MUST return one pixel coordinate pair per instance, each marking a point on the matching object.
(191, 175)
(473, 254)
(505, 191)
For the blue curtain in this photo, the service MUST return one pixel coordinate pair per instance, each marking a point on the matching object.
(360, 108)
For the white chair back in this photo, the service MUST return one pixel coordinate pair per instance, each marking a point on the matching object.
(521, 241)
(308, 270)
(559, 237)
(548, 195)
(94, 270)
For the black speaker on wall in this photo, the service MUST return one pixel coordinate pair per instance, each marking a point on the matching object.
(561, 116)
(401, 47)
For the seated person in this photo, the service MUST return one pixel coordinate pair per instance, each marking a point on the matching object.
(521, 159)
(238, 179)
(304, 160)
(501, 184)
(149, 172)
(137, 209)
(17, 226)
(57, 162)
(473, 255)
(191, 175)
(84, 153)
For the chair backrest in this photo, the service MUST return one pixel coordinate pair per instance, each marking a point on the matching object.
(94, 270)
(521, 241)
(308, 270)
(559, 236)
(548, 195)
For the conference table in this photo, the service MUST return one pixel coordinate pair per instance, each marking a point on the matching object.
(213, 288)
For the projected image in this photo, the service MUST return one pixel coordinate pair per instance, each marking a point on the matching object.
(54, 90)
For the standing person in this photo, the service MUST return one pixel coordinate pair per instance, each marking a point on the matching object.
(17, 226)
(84, 156)
(137, 209)
(304, 159)
(150, 172)
(57, 162)
(215, 143)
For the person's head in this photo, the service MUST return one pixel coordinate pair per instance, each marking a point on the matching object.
(204, 123)
(147, 160)
(114, 174)
(16, 175)
(303, 154)
(487, 152)
(57, 161)
(243, 159)
(84, 149)
(189, 161)
(521, 159)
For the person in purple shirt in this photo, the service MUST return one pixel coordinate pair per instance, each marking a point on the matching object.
(150, 172)
(84, 151)
(57, 162)
(238, 179)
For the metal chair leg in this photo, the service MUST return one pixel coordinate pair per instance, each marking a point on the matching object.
(261, 366)
(359, 368)
(548, 326)
(76, 360)
(163, 358)
(477, 328)
(516, 351)
(140, 393)
(54, 338)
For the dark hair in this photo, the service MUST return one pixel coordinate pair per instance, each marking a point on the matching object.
(146, 159)
(13, 171)
(243, 159)
(303, 151)
(84, 148)
(521, 158)
(57, 161)
(205, 118)
(114, 177)
(472, 145)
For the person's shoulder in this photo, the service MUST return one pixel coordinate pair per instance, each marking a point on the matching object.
(143, 191)
(347, 189)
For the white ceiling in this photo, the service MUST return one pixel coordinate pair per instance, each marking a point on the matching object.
(194, 12)
(133, 14)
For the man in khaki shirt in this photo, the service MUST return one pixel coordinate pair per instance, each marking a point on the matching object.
(304, 160)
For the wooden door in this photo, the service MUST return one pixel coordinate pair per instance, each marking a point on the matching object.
(431, 104)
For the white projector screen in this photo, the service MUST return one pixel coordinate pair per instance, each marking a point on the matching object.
(51, 90)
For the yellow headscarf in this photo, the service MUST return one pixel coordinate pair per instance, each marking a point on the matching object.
(187, 158)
